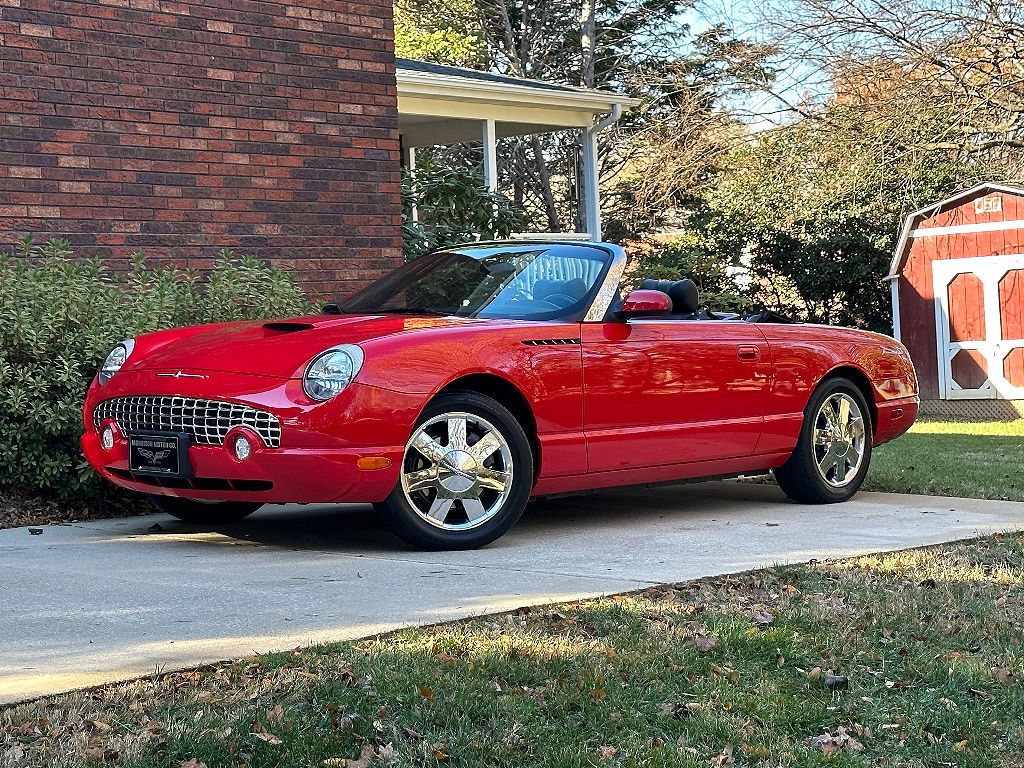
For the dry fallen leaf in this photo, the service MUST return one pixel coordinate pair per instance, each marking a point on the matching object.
(367, 756)
(193, 763)
(836, 682)
(830, 744)
(607, 751)
(387, 754)
(426, 693)
(704, 642)
(723, 758)
(264, 735)
(1004, 675)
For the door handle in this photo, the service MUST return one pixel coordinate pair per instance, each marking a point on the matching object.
(748, 353)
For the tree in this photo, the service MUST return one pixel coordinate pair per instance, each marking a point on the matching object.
(440, 32)
(961, 61)
(452, 206)
(818, 205)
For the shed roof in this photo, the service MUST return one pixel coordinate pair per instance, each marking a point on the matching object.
(933, 209)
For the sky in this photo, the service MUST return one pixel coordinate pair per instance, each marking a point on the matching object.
(747, 19)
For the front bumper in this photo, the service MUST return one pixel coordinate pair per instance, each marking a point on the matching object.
(270, 476)
(321, 444)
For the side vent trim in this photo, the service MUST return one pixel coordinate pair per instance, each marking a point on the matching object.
(551, 342)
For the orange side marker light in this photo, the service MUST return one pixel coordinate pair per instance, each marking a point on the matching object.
(373, 462)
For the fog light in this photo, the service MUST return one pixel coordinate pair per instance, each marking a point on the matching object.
(243, 448)
(107, 438)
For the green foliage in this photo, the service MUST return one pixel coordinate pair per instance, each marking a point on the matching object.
(443, 33)
(59, 318)
(703, 254)
(452, 207)
(817, 206)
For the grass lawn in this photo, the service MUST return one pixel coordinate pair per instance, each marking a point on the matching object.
(944, 458)
(909, 659)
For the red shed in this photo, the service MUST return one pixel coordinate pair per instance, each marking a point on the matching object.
(958, 299)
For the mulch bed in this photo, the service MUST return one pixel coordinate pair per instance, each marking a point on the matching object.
(18, 510)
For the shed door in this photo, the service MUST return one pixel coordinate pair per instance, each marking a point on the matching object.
(979, 323)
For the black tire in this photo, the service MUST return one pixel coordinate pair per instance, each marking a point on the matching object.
(214, 513)
(409, 523)
(800, 477)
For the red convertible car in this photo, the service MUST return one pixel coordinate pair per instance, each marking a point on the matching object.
(452, 390)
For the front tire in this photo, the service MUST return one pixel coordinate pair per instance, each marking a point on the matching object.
(213, 513)
(466, 475)
(832, 456)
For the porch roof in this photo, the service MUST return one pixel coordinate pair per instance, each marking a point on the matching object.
(440, 104)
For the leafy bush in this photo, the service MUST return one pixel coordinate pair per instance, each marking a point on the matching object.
(700, 258)
(59, 318)
(452, 207)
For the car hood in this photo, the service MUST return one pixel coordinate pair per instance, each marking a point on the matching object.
(280, 348)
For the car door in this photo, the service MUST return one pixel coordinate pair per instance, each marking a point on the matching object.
(660, 392)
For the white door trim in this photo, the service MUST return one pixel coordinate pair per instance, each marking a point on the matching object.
(989, 270)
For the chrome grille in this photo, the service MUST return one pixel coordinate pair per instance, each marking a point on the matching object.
(207, 422)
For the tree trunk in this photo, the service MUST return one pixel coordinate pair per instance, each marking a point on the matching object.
(545, 185)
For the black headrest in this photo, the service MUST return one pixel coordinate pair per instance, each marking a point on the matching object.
(544, 288)
(685, 297)
(577, 288)
(656, 285)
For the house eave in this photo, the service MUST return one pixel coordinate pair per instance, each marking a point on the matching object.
(426, 85)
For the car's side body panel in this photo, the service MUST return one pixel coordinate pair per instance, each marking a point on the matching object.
(803, 355)
(697, 391)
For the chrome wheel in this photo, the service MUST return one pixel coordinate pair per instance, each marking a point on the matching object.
(839, 439)
(457, 471)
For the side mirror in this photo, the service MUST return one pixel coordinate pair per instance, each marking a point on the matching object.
(644, 303)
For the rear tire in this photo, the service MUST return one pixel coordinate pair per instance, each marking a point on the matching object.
(214, 513)
(467, 472)
(832, 456)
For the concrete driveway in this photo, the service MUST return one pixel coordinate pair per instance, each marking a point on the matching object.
(97, 602)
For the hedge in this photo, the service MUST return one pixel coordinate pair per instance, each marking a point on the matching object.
(58, 319)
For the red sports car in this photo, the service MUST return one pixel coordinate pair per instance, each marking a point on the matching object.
(455, 388)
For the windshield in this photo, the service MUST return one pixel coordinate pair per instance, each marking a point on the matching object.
(529, 282)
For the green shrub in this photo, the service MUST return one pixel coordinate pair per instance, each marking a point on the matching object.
(452, 207)
(59, 318)
(694, 256)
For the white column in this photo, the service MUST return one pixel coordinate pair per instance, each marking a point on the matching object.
(490, 156)
(590, 200)
(410, 163)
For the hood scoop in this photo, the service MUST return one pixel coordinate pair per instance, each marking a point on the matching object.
(288, 327)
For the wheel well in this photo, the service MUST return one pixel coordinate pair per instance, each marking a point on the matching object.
(858, 377)
(509, 396)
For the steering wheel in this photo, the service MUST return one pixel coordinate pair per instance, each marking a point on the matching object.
(560, 300)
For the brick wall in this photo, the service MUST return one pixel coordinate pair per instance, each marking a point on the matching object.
(179, 128)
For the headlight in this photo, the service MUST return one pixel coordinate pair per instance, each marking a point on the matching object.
(331, 371)
(116, 359)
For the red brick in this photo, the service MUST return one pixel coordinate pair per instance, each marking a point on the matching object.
(270, 128)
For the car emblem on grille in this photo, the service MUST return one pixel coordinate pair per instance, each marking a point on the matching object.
(183, 375)
(154, 457)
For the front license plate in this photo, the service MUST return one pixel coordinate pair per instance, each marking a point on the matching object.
(156, 454)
